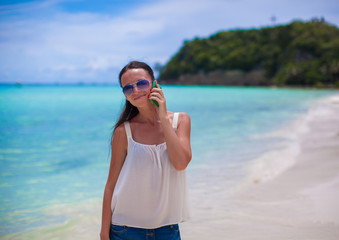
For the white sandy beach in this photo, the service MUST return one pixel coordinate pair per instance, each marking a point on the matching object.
(299, 201)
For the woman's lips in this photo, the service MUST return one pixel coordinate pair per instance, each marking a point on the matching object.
(139, 97)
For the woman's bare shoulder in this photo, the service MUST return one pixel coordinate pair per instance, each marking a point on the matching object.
(184, 121)
(120, 129)
(184, 116)
(119, 134)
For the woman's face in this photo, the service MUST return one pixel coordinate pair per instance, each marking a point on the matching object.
(139, 97)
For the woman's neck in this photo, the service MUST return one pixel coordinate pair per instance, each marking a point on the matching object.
(148, 115)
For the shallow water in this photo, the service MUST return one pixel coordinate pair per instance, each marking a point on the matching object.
(54, 142)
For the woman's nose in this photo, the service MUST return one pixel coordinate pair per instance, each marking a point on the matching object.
(135, 89)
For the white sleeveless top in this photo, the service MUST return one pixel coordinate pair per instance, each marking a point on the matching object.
(149, 192)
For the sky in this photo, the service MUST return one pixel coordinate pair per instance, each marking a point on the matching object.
(84, 41)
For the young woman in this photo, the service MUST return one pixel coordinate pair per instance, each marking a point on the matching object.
(146, 194)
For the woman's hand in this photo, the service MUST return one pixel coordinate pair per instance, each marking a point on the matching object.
(158, 95)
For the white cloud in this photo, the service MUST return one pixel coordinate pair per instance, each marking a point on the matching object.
(93, 47)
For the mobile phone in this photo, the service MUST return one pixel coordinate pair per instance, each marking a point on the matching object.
(154, 85)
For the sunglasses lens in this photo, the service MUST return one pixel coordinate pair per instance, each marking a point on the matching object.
(143, 84)
(127, 90)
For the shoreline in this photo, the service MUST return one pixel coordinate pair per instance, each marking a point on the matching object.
(299, 202)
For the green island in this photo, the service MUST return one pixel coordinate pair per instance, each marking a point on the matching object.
(301, 54)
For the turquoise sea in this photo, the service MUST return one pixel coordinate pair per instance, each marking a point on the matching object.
(54, 140)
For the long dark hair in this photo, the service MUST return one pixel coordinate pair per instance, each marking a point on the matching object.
(129, 111)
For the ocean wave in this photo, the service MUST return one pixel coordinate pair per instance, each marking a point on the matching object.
(272, 163)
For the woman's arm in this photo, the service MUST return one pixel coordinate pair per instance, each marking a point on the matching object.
(118, 155)
(177, 142)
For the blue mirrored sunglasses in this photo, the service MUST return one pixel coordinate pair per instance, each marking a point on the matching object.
(141, 85)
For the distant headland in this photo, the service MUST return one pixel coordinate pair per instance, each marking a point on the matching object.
(302, 54)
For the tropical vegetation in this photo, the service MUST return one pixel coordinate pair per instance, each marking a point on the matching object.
(297, 54)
